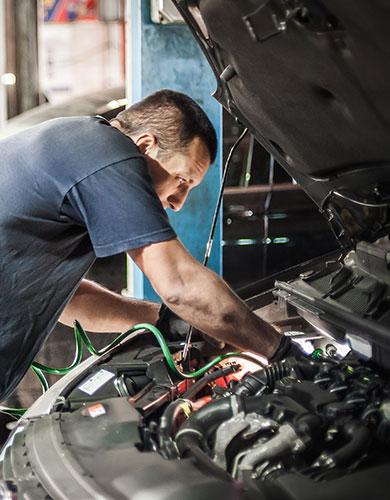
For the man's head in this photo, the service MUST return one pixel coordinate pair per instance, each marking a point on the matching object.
(176, 137)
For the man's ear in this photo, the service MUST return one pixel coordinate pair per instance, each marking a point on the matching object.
(145, 142)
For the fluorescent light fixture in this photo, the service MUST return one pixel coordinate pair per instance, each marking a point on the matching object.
(246, 241)
(277, 216)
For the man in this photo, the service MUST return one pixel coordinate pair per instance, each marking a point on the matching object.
(76, 188)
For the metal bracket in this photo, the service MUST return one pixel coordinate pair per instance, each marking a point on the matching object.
(263, 23)
(272, 16)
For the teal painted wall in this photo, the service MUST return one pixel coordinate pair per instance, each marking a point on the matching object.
(169, 57)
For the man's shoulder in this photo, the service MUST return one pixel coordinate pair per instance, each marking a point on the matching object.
(88, 142)
(94, 129)
(64, 151)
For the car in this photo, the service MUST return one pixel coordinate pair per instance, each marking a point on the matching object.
(310, 81)
(107, 103)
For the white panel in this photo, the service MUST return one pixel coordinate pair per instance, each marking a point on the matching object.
(70, 51)
(164, 12)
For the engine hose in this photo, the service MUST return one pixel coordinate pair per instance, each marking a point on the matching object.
(168, 423)
(202, 423)
(254, 383)
(171, 413)
(183, 405)
(359, 438)
(265, 378)
(207, 379)
(18, 412)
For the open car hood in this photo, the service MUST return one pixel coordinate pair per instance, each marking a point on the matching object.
(310, 79)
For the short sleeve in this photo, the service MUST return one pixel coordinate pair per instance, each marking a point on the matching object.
(119, 208)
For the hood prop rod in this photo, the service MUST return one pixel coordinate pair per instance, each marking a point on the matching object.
(210, 240)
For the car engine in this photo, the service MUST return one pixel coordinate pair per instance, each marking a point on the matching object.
(288, 428)
(317, 422)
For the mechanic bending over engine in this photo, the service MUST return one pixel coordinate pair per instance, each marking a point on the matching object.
(74, 189)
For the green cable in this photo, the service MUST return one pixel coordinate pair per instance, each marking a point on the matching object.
(81, 336)
(12, 411)
(63, 371)
(18, 412)
(217, 360)
(79, 330)
(41, 377)
(165, 350)
(38, 368)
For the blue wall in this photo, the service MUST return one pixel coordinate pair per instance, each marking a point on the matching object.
(167, 56)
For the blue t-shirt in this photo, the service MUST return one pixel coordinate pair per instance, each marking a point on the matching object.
(71, 189)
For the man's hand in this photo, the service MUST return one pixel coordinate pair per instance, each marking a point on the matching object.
(173, 327)
(286, 349)
(176, 329)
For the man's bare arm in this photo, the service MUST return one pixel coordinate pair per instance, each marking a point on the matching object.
(201, 298)
(100, 310)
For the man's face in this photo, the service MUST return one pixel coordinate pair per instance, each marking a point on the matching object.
(175, 175)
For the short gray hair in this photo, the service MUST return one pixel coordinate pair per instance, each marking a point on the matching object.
(173, 118)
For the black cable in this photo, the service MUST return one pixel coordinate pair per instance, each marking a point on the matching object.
(245, 178)
(204, 381)
(220, 196)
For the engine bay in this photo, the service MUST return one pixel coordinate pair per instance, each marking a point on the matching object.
(276, 432)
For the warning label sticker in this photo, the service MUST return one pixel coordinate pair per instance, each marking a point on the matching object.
(96, 381)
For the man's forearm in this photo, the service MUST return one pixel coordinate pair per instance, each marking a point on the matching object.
(201, 298)
(206, 302)
(100, 310)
